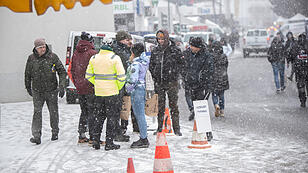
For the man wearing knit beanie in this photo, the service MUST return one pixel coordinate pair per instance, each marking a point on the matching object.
(42, 84)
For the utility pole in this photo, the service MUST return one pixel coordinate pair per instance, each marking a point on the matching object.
(169, 26)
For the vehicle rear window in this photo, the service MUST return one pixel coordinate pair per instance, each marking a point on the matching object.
(98, 41)
(263, 33)
(250, 33)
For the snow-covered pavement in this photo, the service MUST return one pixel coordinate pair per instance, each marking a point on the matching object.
(233, 150)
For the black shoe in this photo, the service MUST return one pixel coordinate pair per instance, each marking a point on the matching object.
(121, 138)
(96, 145)
(283, 88)
(157, 131)
(177, 133)
(111, 147)
(209, 136)
(303, 104)
(54, 137)
(141, 143)
(290, 78)
(191, 117)
(37, 141)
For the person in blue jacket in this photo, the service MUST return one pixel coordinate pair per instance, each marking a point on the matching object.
(135, 85)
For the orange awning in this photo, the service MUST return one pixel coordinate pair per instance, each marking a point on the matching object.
(42, 5)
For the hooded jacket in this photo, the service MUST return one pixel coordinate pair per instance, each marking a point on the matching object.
(136, 73)
(40, 72)
(276, 51)
(79, 63)
(165, 62)
(300, 58)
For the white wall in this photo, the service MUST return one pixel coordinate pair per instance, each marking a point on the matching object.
(19, 30)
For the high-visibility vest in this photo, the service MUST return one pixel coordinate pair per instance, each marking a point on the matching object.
(106, 72)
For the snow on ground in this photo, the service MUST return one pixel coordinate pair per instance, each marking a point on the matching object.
(231, 151)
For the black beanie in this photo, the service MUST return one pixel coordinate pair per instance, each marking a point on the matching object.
(86, 36)
(137, 49)
(196, 42)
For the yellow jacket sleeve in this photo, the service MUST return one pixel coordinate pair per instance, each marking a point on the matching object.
(120, 73)
(90, 72)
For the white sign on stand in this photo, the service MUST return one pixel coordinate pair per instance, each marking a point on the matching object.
(202, 116)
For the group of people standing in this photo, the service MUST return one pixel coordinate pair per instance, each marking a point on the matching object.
(119, 69)
(295, 53)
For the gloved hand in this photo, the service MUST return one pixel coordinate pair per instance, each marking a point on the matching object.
(61, 92)
(29, 90)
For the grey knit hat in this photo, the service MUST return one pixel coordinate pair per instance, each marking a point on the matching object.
(39, 42)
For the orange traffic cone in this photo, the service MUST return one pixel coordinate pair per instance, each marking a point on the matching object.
(199, 140)
(162, 162)
(130, 166)
(167, 123)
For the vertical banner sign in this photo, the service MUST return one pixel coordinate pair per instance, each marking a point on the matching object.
(202, 116)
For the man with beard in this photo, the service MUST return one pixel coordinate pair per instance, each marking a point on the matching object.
(165, 66)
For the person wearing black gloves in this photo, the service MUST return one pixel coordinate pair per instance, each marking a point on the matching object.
(42, 84)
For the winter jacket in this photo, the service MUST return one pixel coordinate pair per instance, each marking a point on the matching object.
(136, 73)
(106, 72)
(165, 64)
(220, 77)
(300, 58)
(78, 66)
(276, 52)
(288, 48)
(123, 51)
(198, 69)
(40, 72)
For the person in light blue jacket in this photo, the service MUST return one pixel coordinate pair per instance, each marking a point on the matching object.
(135, 85)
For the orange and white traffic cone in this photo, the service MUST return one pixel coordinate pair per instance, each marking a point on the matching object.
(162, 162)
(167, 123)
(199, 140)
(130, 166)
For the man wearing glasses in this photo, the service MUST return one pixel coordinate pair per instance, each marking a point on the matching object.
(42, 84)
(165, 63)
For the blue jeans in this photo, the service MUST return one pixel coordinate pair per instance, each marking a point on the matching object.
(278, 68)
(138, 103)
(218, 97)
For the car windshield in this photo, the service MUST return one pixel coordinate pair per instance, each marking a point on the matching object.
(186, 37)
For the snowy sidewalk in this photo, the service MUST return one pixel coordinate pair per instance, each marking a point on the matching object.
(230, 152)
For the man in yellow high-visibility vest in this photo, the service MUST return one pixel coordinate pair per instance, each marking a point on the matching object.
(106, 72)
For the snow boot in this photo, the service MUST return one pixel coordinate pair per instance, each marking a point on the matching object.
(217, 110)
(37, 141)
(191, 116)
(141, 143)
(121, 138)
(177, 132)
(303, 104)
(112, 146)
(54, 137)
(96, 145)
(209, 136)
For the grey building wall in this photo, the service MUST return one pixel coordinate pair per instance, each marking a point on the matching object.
(19, 30)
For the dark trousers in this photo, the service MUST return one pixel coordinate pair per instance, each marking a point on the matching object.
(172, 90)
(86, 117)
(124, 123)
(51, 99)
(302, 87)
(106, 107)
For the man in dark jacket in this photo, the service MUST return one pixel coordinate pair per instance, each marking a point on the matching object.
(42, 84)
(288, 48)
(165, 63)
(121, 47)
(300, 56)
(78, 65)
(198, 73)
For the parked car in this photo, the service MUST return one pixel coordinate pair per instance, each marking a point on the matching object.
(74, 37)
(255, 40)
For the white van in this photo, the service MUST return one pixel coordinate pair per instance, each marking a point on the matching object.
(74, 37)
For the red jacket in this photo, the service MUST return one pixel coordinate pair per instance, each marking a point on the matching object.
(78, 66)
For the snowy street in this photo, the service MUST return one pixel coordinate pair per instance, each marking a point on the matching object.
(261, 132)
